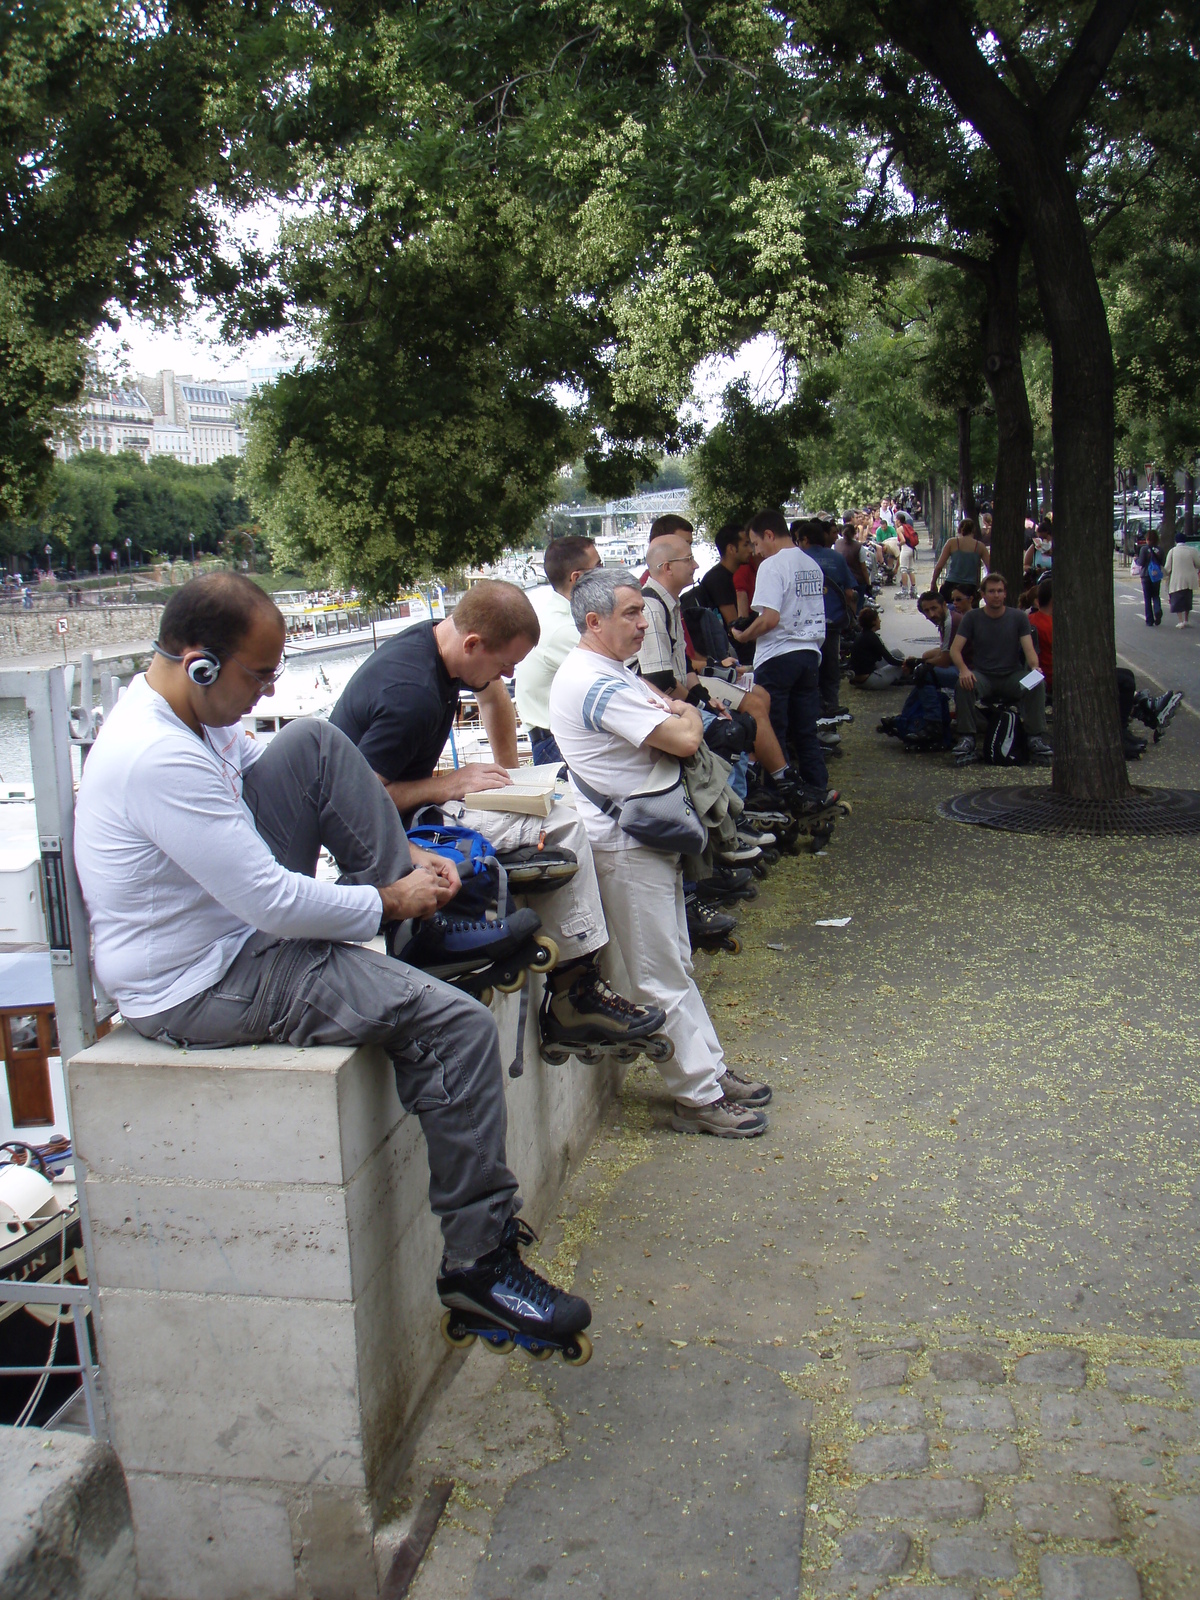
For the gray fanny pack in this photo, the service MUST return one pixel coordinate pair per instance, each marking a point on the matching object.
(660, 816)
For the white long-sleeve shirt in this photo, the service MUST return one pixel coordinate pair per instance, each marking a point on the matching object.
(175, 875)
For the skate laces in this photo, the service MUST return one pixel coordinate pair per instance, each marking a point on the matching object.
(609, 999)
(518, 1275)
(463, 924)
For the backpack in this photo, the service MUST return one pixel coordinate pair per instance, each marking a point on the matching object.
(484, 881)
(706, 628)
(1004, 742)
(1153, 571)
(909, 535)
(923, 721)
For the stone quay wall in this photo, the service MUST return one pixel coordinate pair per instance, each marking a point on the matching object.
(29, 633)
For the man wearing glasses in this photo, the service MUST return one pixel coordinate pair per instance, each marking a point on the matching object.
(196, 849)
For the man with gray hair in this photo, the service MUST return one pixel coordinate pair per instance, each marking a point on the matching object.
(613, 728)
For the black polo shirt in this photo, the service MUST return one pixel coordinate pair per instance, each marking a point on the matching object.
(399, 706)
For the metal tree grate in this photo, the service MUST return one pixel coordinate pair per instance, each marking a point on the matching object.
(1039, 810)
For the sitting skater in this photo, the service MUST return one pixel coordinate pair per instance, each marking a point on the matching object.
(399, 707)
(872, 664)
(196, 849)
(612, 727)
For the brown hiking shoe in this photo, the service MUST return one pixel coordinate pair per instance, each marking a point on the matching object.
(723, 1118)
(744, 1091)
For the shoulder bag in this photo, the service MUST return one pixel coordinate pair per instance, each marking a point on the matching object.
(661, 815)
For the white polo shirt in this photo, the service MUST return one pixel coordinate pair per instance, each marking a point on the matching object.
(535, 673)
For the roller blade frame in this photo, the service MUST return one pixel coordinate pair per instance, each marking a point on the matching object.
(460, 1329)
(539, 953)
(590, 1053)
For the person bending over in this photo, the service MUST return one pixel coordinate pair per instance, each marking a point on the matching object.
(399, 707)
(1002, 653)
(613, 727)
(565, 561)
(196, 849)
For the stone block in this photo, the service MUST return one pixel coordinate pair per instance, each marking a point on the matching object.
(891, 1452)
(270, 1388)
(332, 1545)
(223, 1239)
(199, 1539)
(1139, 1380)
(1191, 1381)
(968, 1413)
(1097, 1416)
(881, 1372)
(1160, 1423)
(890, 1411)
(929, 1499)
(964, 1366)
(879, 1554)
(972, 1555)
(979, 1453)
(65, 1533)
(1088, 1578)
(910, 1342)
(1176, 1539)
(1117, 1463)
(1065, 1512)
(1057, 1369)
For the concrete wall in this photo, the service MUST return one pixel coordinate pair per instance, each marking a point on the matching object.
(27, 633)
(266, 1259)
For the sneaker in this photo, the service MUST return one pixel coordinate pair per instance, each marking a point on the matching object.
(743, 1091)
(965, 751)
(723, 1118)
(706, 921)
(738, 855)
(1037, 746)
(759, 837)
(725, 881)
(580, 1007)
(828, 739)
(500, 1287)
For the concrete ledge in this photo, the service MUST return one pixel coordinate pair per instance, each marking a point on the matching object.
(65, 1533)
(266, 1259)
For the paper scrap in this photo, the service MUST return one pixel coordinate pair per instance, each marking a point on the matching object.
(831, 922)
(1032, 679)
(775, 947)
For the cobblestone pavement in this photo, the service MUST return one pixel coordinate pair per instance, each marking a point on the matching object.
(964, 1256)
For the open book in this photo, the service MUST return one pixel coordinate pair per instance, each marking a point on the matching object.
(531, 793)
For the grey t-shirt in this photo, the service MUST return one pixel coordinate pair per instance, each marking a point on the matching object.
(996, 641)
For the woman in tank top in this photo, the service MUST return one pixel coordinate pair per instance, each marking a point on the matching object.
(963, 556)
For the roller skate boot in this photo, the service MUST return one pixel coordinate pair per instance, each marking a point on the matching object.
(581, 1016)
(728, 884)
(710, 929)
(478, 955)
(504, 1302)
(537, 869)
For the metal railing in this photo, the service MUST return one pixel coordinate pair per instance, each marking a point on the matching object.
(46, 698)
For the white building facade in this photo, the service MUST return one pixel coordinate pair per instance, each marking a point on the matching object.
(168, 414)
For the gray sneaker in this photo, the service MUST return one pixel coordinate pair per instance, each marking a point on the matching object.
(965, 751)
(744, 1091)
(723, 1118)
(1040, 748)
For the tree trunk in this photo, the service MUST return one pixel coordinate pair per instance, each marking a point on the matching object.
(966, 486)
(1170, 510)
(1014, 425)
(1047, 501)
(1189, 505)
(936, 515)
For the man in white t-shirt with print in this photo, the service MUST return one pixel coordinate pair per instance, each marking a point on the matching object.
(612, 728)
(787, 633)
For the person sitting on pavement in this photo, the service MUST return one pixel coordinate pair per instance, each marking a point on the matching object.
(964, 558)
(1002, 653)
(872, 664)
(196, 848)
(613, 726)
(788, 632)
(565, 561)
(662, 659)
(398, 709)
(945, 618)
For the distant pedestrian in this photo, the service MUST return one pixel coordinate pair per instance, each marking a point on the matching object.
(1182, 568)
(964, 558)
(1148, 566)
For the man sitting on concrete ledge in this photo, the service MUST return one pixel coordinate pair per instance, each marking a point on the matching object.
(196, 849)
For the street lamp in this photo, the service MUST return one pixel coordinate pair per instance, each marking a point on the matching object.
(49, 554)
(129, 558)
(192, 543)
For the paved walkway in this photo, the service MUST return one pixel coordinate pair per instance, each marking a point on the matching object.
(937, 1331)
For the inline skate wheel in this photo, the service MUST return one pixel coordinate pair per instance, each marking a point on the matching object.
(658, 1047)
(542, 1353)
(591, 1055)
(556, 1055)
(485, 996)
(577, 1351)
(498, 1343)
(545, 956)
(733, 944)
(456, 1336)
(512, 979)
(625, 1053)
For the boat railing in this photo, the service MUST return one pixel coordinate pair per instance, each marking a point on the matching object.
(78, 1296)
(46, 697)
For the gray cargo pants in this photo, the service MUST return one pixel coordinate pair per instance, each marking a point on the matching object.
(311, 787)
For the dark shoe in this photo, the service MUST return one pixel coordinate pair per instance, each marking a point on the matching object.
(965, 751)
(725, 881)
(743, 1091)
(503, 1289)
(1165, 707)
(447, 946)
(580, 1007)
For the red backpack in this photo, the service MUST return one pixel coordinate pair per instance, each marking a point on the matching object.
(909, 534)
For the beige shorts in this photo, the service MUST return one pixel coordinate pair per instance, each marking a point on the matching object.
(907, 558)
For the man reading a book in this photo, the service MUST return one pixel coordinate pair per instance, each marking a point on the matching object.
(399, 708)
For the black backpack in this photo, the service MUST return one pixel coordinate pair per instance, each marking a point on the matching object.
(1004, 742)
(707, 630)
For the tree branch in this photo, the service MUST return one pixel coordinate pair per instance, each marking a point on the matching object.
(918, 247)
(1086, 65)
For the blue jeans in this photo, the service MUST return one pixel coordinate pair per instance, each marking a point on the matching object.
(1150, 594)
(793, 683)
(545, 749)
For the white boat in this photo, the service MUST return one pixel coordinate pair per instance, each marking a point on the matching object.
(319, 625)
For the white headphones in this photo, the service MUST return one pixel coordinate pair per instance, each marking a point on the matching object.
(203, 671)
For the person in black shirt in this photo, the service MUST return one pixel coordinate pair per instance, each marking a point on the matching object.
(398, 709)
(716, 589)
(872, 664)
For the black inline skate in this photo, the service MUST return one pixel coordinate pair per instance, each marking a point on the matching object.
(726, 885)
(710, 929)
(478, 955)
(504, 1302)
(581, 1016)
